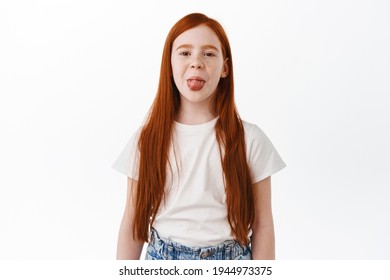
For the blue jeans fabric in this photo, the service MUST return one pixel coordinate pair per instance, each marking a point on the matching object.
(166, 249)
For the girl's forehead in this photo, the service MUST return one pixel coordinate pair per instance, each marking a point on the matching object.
(197, 36)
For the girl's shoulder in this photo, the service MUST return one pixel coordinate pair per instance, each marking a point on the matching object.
(255, 136)
(252, 129)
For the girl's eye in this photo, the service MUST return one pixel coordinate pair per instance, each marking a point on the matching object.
(209, 54)
(185, 53)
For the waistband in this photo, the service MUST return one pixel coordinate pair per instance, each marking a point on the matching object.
(227, 250)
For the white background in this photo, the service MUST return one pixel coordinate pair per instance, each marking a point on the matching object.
(78, 77)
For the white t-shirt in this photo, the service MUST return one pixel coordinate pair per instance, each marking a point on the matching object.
(195, 212)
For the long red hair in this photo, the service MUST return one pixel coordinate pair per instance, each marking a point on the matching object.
(156, 135)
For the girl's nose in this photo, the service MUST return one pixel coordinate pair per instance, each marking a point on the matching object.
(196, 63)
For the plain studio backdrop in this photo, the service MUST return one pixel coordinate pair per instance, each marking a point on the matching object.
(78, 77)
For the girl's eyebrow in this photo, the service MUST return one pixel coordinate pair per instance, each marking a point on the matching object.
(188, 46)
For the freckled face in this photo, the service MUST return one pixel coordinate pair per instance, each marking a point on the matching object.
(197, 64)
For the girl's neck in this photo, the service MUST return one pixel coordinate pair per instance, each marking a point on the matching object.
(194, 116)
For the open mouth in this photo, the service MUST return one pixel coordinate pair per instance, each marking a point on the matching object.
(195, 83)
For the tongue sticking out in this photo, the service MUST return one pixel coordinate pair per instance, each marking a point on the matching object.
(195, 84)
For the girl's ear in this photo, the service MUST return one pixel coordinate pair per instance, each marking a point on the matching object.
(225, 69)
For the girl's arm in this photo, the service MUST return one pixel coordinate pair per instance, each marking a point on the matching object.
(263, 236)
(128, 248)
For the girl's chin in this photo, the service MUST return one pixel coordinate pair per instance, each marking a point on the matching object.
(195, 97)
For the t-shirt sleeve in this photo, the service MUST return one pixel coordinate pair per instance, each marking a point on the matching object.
(127, 162)
(264, 160)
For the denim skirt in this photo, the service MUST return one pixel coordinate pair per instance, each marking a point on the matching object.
(166, 249)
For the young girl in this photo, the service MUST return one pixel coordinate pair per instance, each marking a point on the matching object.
(199, 184)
